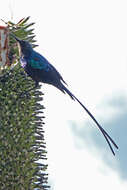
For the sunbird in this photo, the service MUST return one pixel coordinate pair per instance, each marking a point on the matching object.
(40, 70)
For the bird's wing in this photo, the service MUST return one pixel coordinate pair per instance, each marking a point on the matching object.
(39, 62)
(57, 73)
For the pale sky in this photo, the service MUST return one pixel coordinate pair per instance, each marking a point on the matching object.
(86, 40)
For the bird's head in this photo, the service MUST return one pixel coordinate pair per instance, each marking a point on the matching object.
(25, 46)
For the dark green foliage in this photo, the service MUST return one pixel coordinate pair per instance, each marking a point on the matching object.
(22, 145)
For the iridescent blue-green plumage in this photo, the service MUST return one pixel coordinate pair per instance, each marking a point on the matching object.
(40, 70)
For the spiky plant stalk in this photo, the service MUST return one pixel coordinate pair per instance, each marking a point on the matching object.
(22, 145)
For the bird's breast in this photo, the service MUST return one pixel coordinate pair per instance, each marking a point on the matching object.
(23, 62)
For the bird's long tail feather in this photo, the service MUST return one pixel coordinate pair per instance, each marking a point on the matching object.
(105, 134)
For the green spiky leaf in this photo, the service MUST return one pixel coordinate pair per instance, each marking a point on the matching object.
(22, 145)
